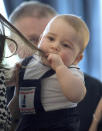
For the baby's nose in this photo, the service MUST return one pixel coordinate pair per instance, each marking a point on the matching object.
(55, 47)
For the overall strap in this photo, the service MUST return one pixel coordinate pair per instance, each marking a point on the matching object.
(37, 99)
(48, 73)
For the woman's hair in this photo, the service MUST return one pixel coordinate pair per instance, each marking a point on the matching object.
(3, 40)
(2, 45)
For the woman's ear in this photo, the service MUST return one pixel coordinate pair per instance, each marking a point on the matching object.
(78, 58)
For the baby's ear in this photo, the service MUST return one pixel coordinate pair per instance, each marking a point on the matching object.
(78, 58)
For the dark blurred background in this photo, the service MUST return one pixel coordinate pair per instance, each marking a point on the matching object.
(91, 12)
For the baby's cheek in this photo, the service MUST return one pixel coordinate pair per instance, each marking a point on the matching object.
(66, 59)
(44, 48)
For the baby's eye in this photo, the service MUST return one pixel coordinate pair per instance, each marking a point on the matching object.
(50, 38)
(66, 45)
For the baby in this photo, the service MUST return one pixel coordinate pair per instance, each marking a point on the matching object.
(50, 90)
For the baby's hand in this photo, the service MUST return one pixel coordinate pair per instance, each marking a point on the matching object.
(54, 60)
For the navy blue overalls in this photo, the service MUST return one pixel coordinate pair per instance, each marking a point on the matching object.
(58, 120)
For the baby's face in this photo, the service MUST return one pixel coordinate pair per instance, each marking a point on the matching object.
(61, 38)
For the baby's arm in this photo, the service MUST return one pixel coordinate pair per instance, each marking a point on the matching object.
(72, 86)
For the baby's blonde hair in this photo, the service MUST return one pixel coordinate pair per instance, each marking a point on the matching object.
(79, 25)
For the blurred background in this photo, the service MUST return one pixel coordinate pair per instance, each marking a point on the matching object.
(91, 12)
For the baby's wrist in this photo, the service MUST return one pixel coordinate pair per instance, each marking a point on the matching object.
(60, 67)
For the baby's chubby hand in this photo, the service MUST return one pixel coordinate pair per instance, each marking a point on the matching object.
(54, 60)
